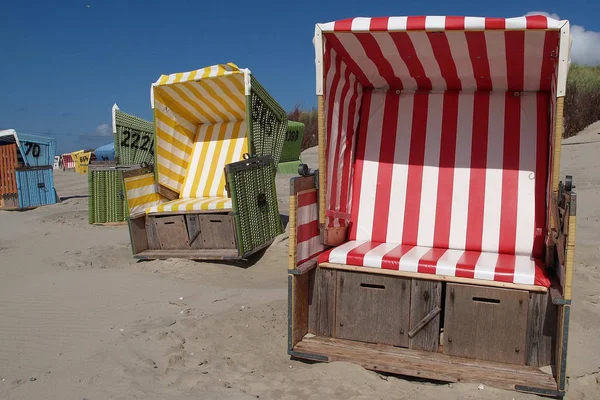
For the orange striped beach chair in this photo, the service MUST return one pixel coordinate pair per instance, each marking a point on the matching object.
(435, 239)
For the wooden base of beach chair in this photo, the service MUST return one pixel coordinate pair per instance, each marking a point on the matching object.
(196, 236)
(427, 365)
(436, 330)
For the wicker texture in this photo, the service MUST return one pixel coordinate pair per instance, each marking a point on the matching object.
(268, 123)
(134, 139)
(107, 200)
(251, 185)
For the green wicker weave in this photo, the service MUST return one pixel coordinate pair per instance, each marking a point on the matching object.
(267, 123)
(292, 147)
(251, 184)
(106, 196)
(134, 139)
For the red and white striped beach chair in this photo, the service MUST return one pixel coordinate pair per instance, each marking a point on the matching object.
(436, 225)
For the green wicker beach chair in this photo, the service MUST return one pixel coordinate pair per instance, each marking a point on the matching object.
(292, 147)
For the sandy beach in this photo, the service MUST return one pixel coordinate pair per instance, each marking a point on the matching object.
(81, 319)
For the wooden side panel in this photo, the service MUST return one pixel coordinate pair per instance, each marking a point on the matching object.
(137, 231)
(372, 308)
(562, 340)
(541, 330)
(8, 163)
(425, 306)
(171, 232)
(486, 323)
(299, 307)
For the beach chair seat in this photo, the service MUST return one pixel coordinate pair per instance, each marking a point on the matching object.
(507, 268)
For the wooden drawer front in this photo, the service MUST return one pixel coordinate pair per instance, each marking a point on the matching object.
(486, 323)
(372, 308)
(425, 314)
(171, 232)
(211, 231)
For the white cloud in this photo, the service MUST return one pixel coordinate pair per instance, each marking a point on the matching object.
(544, 13)
(103, 130)
(586, 44)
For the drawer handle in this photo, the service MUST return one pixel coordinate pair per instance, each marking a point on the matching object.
(169, 223)
(485, 300)
(372, 286)
(215, 220)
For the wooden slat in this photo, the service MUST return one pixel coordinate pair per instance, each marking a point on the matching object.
(426, 297)
(424, 364)
(431, 277)
(541, 330)
(168, 193)
(217, 254)
(321, 302)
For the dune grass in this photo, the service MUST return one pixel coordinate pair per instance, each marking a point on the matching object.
(582, 100)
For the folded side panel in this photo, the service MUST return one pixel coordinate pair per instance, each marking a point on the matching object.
(142, 193)
(343, 97)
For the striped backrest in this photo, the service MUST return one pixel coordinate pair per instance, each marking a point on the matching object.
(183, 103)
(142, 193)
(452, 170)
(215, 146)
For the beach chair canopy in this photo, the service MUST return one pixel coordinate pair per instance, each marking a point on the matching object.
(438, 135)
(206, 119)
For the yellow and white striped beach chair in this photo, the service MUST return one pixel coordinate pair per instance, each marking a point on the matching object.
(218, 138)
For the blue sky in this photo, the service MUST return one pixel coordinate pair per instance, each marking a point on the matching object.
(63, 66)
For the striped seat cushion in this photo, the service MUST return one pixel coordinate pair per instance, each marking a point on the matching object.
(200, 204)
(445, 262)
(215, 146)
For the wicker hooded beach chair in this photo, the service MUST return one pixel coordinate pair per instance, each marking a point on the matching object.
(437, 241)
(211, 193)
(134, 148)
